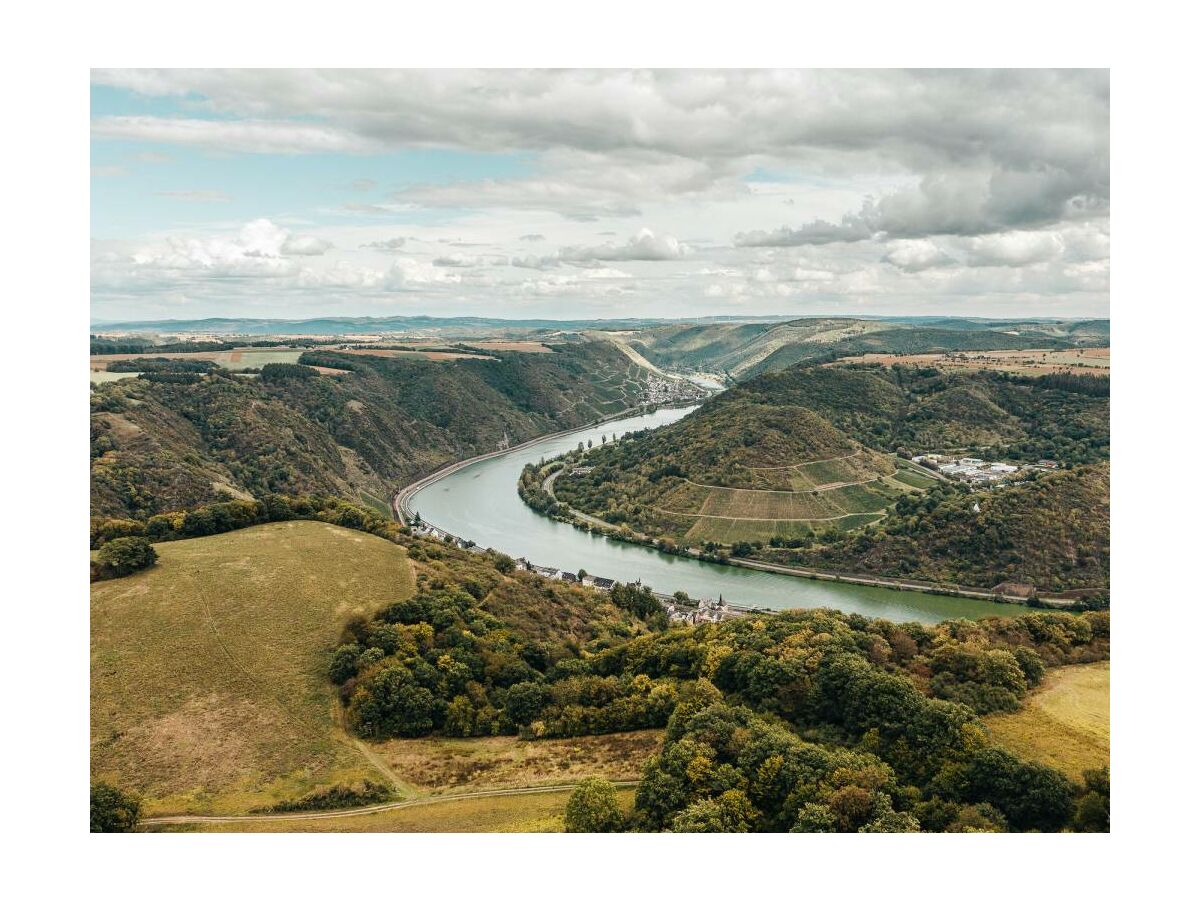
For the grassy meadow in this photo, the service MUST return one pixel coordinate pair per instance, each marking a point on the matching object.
(1064, 723)
(208, 684)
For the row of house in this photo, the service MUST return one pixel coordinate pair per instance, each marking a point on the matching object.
(705, 610)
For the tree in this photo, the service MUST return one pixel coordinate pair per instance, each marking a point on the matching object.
(113, 809)
(123, 556)
(593, 808)
(525, 701)
(504, 564)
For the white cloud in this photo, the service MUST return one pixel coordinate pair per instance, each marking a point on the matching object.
(645, 245)
(918, 255)
(305, 245)
(1015, 248)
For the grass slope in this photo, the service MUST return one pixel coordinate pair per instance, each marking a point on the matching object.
(208, 672)
(1064, 723)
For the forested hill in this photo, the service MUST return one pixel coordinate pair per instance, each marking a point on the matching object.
(174, 440)
(1051, 533)
(1060, 417)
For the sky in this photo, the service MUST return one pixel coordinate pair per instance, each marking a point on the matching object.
(599, 194)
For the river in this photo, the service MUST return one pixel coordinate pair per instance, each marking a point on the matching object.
(480, 502)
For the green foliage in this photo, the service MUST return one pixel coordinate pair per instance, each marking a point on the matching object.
(113, 809)
(592, 808)
(283, 371)
(123, 556)
(1052, 532)
(338, 796)
(1031, 796)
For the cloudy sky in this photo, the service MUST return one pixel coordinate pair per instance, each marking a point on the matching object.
(599, 194)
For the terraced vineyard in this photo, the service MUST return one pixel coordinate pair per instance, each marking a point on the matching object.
(740, 472)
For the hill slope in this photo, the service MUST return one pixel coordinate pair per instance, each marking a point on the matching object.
(736, 470)
(1052, 533)
(160, 445)
(209, 689)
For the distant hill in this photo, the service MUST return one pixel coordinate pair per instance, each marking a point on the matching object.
(173, 443)
(746, 350)
(332, 325)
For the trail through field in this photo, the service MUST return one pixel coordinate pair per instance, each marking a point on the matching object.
(378, 808)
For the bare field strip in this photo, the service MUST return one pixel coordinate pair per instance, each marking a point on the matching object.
(1086, 361)
(227, 359)
(436, 355)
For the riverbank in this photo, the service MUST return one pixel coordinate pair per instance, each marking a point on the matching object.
(402, 497)
(590, 523)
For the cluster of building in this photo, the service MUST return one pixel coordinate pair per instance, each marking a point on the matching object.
(670, 390)
(705, 610)
(977, 471)
(604, 584)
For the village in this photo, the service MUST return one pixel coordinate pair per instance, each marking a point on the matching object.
(679, 608)
(979, 472)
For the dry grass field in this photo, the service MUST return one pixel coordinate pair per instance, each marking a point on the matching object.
(518, 813)
(510, 346)
(475, 764)
(208, 686)
(433, 354)
(1064, 723)
(1082, 361)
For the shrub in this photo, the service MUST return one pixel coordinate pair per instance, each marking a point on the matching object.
(113, 809)
(593, 808)
(123, 556)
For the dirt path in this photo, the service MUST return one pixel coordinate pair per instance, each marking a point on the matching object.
(371, 810)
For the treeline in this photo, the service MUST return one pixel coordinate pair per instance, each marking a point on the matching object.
(161, 364)
(529, 487)
(231, 515)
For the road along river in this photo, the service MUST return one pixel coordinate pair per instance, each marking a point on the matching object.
(479, 502)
